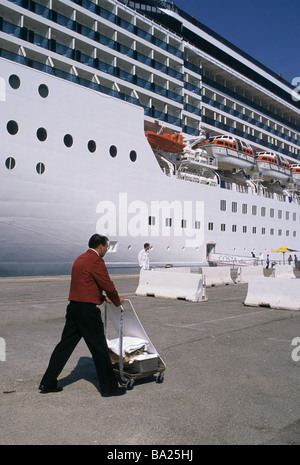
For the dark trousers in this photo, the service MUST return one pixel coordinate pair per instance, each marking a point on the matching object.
(82, 320)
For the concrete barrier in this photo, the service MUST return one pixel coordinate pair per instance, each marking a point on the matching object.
(216, 275)
(246, 272)
(274, 293)
(175, 269)
(283, 271)
(178, 285)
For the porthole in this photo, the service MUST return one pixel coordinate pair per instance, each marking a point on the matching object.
(68, 140)
(40, 168)
(10, 163)
(133, 155)
(113, 151)
(41, 134)
(43, 90)
(12, 127)
(92, 146)
(14, 81)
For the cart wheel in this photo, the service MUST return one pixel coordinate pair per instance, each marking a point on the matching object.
(129, 384)
(160, 377)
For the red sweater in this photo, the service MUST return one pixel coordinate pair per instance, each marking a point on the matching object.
(89, 278)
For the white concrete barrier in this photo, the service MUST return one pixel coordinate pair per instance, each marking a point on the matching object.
(216, 275)
(184, 269)
(283, 271)
(246, 272)
(186, 286)
(274, 293)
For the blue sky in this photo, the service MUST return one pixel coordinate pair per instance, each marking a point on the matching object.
(268, 30)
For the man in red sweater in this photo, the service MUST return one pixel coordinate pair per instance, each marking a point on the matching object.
(83, 319)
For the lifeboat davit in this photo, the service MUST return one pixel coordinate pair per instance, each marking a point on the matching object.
(272, 166)
(230, 152)
(168, 142)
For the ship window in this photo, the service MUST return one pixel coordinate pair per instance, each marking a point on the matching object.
(43, 90)
(271, 212)
(234, 207)
(151, 220)
(263, 211)
(287, 233)
(254, 210)
(197, 224)
(263, 230)
(280, 214)
(254, 230)
(244, 208)
(113, 151)
(40, 168)
(223, 227)
(223, 205)
(41, 134)
(244, 229)
(14, 81)
(279, 232)
(272, 232)
(294, 217)
(10, 163)
(294, 233)
(133, 155)
(234, 228)
(68, 140)
(12, 127)
(210, 226)
(287, 215)
(92, 146)
(183, 223)
(169, 222)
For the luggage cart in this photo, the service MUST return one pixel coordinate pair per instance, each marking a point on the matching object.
(127, 324)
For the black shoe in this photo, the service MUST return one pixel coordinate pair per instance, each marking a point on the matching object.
(120, 391)
(45, 390)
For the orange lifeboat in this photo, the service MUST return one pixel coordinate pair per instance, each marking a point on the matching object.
(167, 142)
(296, 174)
(230, 152)
(273, 166)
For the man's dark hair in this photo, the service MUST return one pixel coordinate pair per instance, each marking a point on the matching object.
(146, 244)
(97, 240)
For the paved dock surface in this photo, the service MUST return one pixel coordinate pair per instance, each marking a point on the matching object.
(230, 376)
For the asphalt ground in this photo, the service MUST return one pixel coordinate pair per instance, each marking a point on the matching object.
(230, 377)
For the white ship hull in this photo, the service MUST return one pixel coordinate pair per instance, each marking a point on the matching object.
(46, 219)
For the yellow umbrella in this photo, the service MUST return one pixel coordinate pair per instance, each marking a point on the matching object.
(283, 250)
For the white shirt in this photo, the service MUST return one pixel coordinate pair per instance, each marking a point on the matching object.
(143, 259)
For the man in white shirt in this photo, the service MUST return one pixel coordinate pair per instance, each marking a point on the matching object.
(143, 257)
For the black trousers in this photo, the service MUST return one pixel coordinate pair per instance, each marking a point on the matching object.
(82, 320)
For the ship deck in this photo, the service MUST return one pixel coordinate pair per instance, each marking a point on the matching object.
(230, 377)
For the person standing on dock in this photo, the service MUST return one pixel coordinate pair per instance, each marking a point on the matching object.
(143, 257)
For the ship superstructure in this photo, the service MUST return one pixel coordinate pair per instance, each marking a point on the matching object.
(82, 85)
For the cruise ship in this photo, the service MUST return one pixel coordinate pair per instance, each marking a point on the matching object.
(136, 121)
